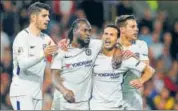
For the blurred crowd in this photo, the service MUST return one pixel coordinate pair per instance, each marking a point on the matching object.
(161, 36)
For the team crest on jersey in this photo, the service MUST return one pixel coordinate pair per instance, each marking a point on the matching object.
(19, 50)
(137, 55)
(88, 52)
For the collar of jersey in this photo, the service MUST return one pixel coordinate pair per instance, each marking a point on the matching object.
(71, 47)
(41, 34)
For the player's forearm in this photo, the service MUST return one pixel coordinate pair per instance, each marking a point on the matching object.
(27, 62)
(148, 73)
(57, 81)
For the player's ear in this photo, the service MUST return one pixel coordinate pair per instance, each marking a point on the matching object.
(33, 17)
(121, 29)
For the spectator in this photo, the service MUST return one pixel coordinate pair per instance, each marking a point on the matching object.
(145, 35)
(23, 18)
(167, 58)
(156, 47)
(167, 39)
(158, 28)
(174, 45)
(94, 32)
(149, 93)
(124, 7)
(5, 42)
(145, 105)
(171, 79)
(176, 106)
(94, 11)
(162, 16)
(9, 18)
(163, 101)
(146, 20)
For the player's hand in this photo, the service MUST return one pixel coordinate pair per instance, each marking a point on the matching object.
(137, 83)
(69, 96)
(126, 54)
(63, 44)
(49, 50)
(117, 59)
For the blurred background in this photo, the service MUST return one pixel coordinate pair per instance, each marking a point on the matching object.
(158, 27)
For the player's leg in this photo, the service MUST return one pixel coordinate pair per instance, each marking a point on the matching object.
(138, 100)
(21, 102)
(37, 104)
(134, 99)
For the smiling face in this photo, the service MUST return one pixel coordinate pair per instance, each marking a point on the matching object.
(109, 38)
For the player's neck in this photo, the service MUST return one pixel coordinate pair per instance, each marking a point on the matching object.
(75, 44)
(107, 52)
(124, 41)
(34, 30)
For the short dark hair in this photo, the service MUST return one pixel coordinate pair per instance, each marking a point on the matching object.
(115, 27)
(74, 26)
(36, 7)
(121, 20)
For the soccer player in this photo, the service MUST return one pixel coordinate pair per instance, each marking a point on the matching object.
(72, 69)
(30, 49)
(128, 39)
(107, 90)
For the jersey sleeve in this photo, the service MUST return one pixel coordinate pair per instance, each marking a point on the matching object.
(144, 51)
(96, 44)
(57, 61)
(20, 53)
(134, 65)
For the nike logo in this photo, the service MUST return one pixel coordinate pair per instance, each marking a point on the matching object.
(32, 47)
(67, 56)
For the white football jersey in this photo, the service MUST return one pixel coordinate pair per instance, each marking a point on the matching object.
(107, 81)
(76, 68)
(140, 48)
(29, 65)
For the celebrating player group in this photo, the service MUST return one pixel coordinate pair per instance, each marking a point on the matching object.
(87, 74)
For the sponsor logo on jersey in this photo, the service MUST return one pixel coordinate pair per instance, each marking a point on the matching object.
(111, 75)
(83, 63)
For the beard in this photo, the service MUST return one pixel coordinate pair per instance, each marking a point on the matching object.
(83, 42)
(110, 48)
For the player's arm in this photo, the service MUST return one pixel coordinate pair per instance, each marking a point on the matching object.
(57, 80)
(20, 50)
(144, 53)
(148, 71)
(147, 74)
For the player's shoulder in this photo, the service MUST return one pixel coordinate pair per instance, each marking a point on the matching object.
(141, 43)
(130, 60)
(44, 34)
(95, 42)
(23, 33)
(21, 36)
